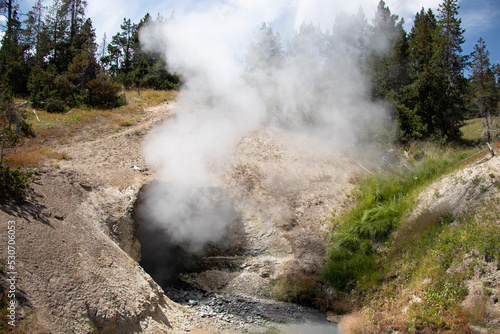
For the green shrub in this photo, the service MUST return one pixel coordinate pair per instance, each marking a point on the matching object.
(49, 90)
(345, 267)
(55, 106)
(13, 182)
(120, 100)
(298, 286)
(102, 92)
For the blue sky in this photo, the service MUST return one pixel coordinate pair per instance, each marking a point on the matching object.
(480, 18)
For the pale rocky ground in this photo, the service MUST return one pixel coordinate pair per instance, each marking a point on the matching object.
(465, 189)
(286, 186)
(76, 256)
(72, 276)
(76, 250)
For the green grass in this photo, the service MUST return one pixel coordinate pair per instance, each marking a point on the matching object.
(389, 263)
(427, 257)
(382, 201)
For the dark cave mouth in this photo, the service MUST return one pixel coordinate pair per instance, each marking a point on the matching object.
(165, 255)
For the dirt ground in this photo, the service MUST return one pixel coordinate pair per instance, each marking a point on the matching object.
(76, 251)
(70, 274)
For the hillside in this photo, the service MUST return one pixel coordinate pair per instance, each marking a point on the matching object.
(76, 247)
(71, 274)
(439, 270)
(75, 230)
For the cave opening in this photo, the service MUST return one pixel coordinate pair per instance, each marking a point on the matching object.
(170, 247)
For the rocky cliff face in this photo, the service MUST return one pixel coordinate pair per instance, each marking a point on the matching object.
(71, 275)
(76, 254)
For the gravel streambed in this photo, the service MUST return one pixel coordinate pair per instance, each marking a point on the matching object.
(246, 314)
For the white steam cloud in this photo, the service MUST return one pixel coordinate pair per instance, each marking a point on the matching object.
(239, 76)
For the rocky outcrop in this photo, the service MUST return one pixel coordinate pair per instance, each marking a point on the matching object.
(111, 210)
(70, 274)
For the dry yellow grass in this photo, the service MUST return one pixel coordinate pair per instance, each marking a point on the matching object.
(81, 123)
(32, 156)
(354, 323)
(473, 129)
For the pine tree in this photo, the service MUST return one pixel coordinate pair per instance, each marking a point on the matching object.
(266, 50)
(56, 36)
(453, 38)
(13, 68)
(424, 95)
(388, 66)
(7, 8)
(121, 51)
(483, 84)
(453, 64)
(436, 95)
(32, 32)
(85, 39)
(149, 68)
(75, 9)
(388, 62)
(350, 37)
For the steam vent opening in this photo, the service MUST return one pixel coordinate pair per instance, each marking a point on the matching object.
(183, 228)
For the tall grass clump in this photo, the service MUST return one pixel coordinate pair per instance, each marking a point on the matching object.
(382, 200)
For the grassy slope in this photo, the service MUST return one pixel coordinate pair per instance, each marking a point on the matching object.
(409, 274)
(398, 273)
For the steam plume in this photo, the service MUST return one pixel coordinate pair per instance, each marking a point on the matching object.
(240, 75)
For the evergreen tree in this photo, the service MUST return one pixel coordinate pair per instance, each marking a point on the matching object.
(56, 36)
(85, 39)
(75, 10)
(140, 63)
(424, 97)
(452, 39)
(7, 8)
(32, 33)
(453, 64)
(266, 50)
(388, 63)
(483, 84)
(13, 68)
(149, 69)
(308, 44)
(388, 66)
(350, 38)
(121, 51)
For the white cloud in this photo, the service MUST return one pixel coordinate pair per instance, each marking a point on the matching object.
(324, 11)
(108, 15)
(409, 8)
